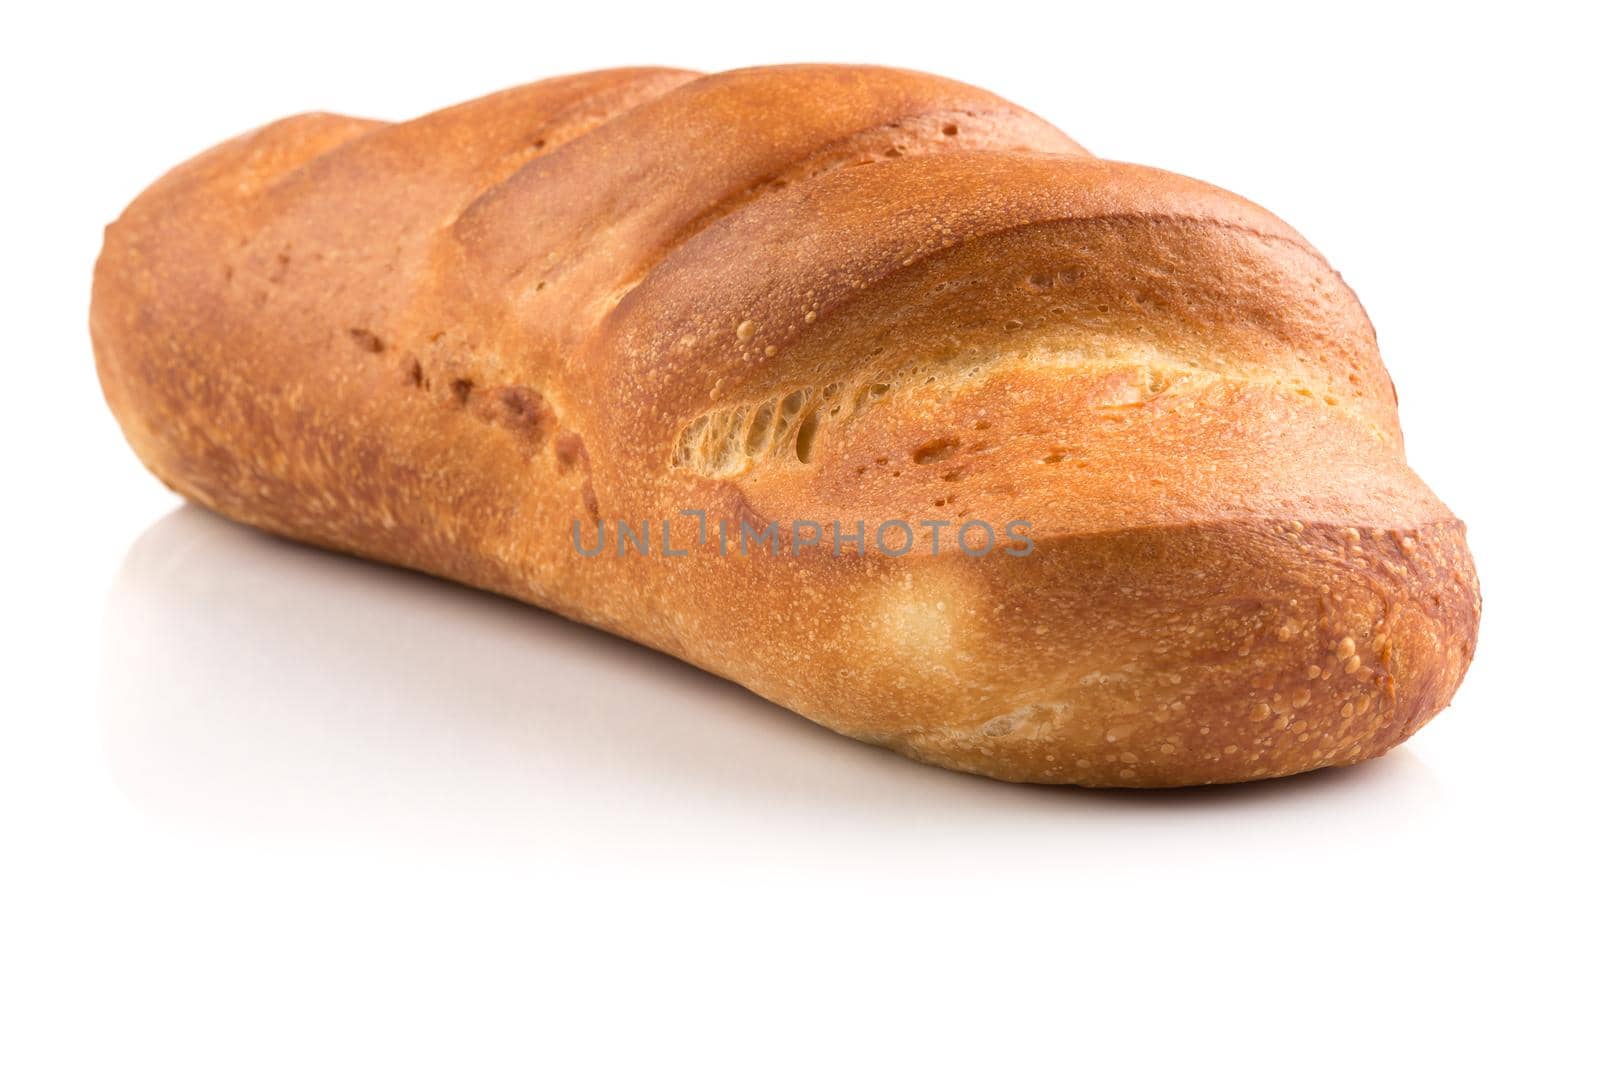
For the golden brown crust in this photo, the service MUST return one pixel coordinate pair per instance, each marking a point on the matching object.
(815, 294)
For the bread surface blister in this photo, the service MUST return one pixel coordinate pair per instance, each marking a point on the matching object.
(500, 342)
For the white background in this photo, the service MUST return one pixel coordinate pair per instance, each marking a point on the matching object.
(265, 805)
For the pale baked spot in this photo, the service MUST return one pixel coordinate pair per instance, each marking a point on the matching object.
(915, 619)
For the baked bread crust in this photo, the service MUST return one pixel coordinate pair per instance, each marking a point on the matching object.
(632, 293)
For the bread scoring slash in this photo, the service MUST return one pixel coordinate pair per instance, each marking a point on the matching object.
(817, 295)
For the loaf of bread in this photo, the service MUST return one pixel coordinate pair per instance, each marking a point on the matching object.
(713, 362)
